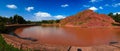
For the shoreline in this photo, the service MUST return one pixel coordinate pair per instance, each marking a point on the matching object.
(30, 45)
(13, 25)
(59, 25)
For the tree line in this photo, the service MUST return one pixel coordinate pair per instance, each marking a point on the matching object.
(115, 17)
(17, 19)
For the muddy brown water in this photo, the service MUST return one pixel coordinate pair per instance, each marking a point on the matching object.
(72, 36)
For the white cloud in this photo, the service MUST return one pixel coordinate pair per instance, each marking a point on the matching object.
(92, 0)
(59, 16)
(29, 8)
(86, 6)
(46, 16)
(42, 14)
(116, 5)
(95, 1)
(65, 5)
(100, 7)
(116, 13)
(93, 8)
(11, 6)
(106, 4)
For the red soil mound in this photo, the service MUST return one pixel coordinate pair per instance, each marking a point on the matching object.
(87, 18)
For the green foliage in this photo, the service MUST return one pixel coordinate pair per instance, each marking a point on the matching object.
(4, 20)
(5, 47)
(111, 14)
(18, 19)
(50, 21)
(116, 17)
(2, 27)
(80, 22)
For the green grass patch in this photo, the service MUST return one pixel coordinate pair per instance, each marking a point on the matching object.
(6, 47)
(80, 22)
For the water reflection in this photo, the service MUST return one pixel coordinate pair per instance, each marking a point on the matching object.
(71, 35)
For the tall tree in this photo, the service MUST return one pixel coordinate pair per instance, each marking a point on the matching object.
(18, 19)
(110, 14)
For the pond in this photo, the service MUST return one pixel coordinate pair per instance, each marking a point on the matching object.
(73, 36)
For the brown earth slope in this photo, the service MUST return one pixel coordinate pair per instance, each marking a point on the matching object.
(87, 18)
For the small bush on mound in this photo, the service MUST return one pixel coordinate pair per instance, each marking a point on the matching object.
(80, 22)
(5, 47)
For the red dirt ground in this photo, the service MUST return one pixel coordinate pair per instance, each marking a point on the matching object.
(87, 18)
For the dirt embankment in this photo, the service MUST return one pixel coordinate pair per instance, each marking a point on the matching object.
(87, 18)
(50, 24)
(12, 27)
(30, 45)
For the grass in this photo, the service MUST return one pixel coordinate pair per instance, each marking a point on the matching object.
(80, 23)
(6, 47)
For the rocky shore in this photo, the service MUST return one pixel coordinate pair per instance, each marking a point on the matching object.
(34, 45)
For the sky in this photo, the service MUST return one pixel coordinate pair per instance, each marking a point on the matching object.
(37, 10)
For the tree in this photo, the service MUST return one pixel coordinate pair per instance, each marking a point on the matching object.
(18, 19)
(110, 14)
(115, 17)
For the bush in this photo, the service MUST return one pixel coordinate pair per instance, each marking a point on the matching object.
(2, 27)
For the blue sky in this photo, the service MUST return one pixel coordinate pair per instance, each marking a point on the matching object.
(36, 10)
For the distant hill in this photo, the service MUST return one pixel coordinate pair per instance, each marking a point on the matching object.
(87, 18)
